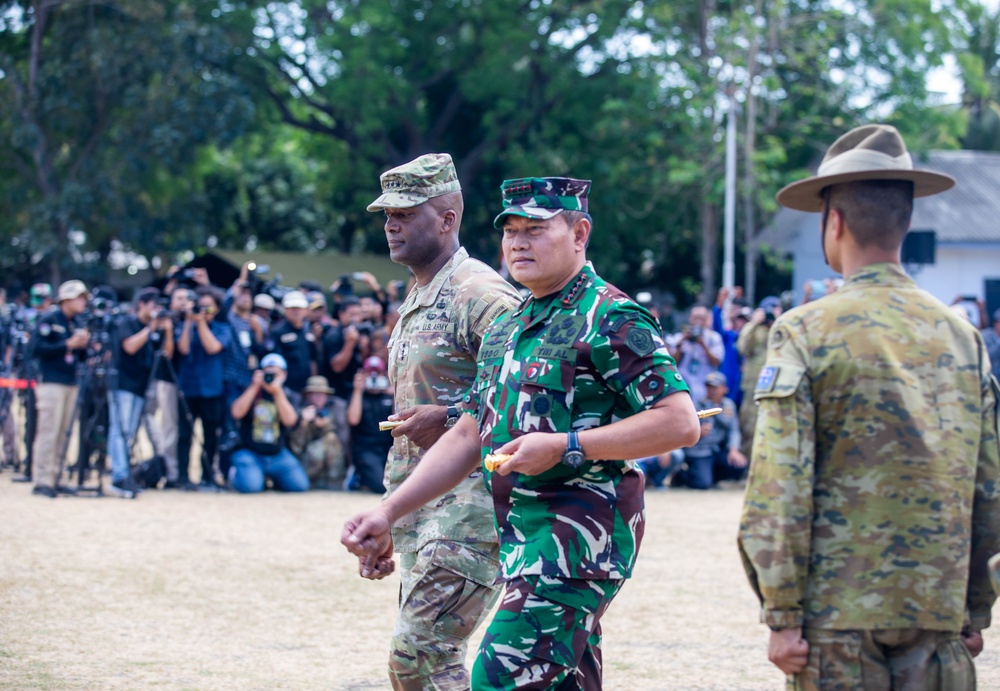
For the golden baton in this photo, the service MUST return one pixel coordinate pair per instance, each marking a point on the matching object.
(495, 460)
(387, 425)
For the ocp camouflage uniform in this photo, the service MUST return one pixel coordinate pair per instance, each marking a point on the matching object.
(584, 357)
(752, 346)
(873, 501)
(449, 548)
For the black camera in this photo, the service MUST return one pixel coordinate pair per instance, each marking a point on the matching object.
(196, 308)
(268, 377)
(769, 317)
(323, 413)
(694, 333)
(365, 328)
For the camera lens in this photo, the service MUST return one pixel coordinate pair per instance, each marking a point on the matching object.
(269, 377)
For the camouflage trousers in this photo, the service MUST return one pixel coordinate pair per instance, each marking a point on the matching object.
(545, 635)
(446, 590)
(898, 659)
(324, 461)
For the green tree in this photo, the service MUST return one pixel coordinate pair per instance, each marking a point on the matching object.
(105, 103)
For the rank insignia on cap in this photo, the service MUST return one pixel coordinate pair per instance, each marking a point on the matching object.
(768, 376)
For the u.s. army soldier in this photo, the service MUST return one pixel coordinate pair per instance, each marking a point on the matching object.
(575, 380)
(448, 550)
(873, 502)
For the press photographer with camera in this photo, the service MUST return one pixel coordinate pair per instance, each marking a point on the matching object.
(265, 417)
(139, 336)
(371, 401)
(201, 345)
(344, 349)
(293, 340)
(59, 346)
(698, 350)
(314, 440)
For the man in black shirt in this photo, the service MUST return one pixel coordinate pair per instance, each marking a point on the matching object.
(138, 337)
(265, 416)
(293, 340)
(58, 348)
(371, 402)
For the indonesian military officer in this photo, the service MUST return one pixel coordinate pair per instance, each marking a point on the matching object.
(448, 549)
(59, 346)
(573, 381)
(873, 502)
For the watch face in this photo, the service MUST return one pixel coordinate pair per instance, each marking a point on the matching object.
(450, 422)
(574, 459)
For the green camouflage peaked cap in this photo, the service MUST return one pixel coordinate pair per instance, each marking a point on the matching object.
(542, 197)
(413, 183)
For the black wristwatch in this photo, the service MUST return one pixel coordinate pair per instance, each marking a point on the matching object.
(573, 455)
(452, 418)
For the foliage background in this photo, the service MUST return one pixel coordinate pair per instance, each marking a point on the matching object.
(161, 127)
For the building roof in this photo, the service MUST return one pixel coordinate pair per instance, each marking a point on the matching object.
(969, 211)
(966, 213)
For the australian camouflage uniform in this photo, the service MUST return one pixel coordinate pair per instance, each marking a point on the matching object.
(873, 502)
(583, 357)
(752, 346)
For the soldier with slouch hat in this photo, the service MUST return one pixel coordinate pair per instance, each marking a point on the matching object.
(873, 501)
(575, 380)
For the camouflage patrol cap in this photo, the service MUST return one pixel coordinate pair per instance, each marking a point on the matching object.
(413, 183)
(542, 197)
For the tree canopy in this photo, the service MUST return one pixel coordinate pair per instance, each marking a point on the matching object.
(181, 125)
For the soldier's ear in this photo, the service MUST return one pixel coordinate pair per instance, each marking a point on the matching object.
(448, 220)
(581, 234)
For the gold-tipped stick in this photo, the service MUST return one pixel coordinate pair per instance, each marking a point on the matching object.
(387, 425)
(709, 412)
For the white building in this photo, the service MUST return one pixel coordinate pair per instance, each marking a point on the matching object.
(965, 221)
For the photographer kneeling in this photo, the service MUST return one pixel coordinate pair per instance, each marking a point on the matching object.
(265, 416)
(315, 440)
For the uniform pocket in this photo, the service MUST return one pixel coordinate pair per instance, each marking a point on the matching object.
(953, 667)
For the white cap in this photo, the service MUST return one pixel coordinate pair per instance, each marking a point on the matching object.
(294, 298)
(264, 301)
(71, 290)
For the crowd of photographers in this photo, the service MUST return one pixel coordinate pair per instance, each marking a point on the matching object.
(288, 387)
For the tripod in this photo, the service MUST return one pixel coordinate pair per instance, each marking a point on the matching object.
(96, 375)
(169, 374)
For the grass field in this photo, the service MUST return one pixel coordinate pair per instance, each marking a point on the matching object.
(199, 591)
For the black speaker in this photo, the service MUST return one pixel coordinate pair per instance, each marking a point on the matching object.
(992, 296)
(918, 247)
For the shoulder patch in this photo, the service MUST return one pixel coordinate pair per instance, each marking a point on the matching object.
(621, 320)
(777, 337)
(765, 382)
(640, 342)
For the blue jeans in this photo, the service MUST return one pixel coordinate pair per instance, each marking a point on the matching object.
(249, 470)
(124, 414)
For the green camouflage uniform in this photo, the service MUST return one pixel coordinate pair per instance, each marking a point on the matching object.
(873, 501)
(583, 357)
(752, 346)
(448, 560)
